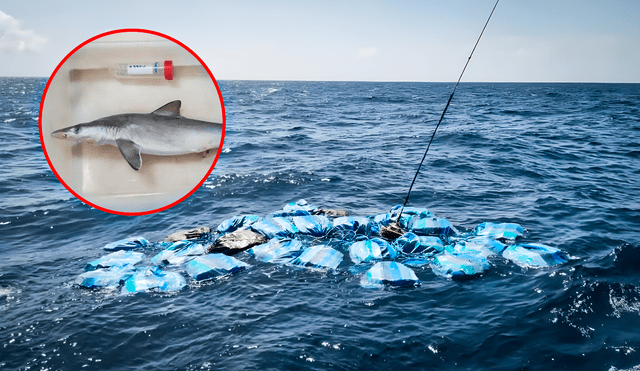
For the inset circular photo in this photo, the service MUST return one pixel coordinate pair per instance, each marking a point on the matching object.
(132, 122)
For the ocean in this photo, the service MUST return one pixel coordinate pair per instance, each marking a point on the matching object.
(561, 160)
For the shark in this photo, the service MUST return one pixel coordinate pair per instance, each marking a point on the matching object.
(163, 132)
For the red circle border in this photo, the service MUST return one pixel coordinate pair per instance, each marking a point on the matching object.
(215, 161)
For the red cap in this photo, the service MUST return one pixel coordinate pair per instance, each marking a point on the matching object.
(168, 70)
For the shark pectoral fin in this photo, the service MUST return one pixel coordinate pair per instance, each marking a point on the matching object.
(131, 152)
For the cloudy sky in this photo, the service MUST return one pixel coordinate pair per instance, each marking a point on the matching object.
(542, 40)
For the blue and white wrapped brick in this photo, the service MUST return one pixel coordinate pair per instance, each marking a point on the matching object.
(389, 273)
(313, 225)
(273, 227)
(381, 219)
(287, 214)
(153, 278)
(277, 250)
(119, 258)
(214, 265)
(179, 253)
(105, 277)
(299, 205)
(131, 243)
(237, 222)
(358, 224)
(461, 266)
(431, 225)
(478, 246)
(371, 250)
(285, 225)
(533, 255)
(409, 211)
(507, 231)
(170, 249)
(412, 244)
(407, 214)
(320, 256)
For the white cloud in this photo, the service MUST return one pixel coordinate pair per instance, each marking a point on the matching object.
(367, 52)
(12, 37)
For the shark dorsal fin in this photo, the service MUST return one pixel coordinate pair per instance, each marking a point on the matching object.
(169, 109)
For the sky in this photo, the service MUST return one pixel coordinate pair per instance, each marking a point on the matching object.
(358, 40)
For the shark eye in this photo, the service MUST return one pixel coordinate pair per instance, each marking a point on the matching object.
(75, 129)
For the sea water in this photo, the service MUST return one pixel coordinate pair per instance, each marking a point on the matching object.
(561, 160)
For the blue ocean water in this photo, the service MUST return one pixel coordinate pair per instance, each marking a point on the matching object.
(562, 160)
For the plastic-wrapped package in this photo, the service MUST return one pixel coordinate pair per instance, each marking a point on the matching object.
(478, 246)
(533, 255)
(479, 243)
(358, 224)
(170, 249)
(407, 214)
(274, 227)
(370, 250)
(285, 225)
(408, 211)
(179, 252)
(320, 256)
(127, 244)
(299, 205)
(214, 265)
(237, 222)
(277, 250)
(288, 214)
(389, 273)
(417, 262)
(425, 224)
(462, 266)
(148, 278)
(507, 231)
(314, 225)
(236, 241)
(267, 229)
(106, 277)
(382, 219)
(412, 244)
(118, 258)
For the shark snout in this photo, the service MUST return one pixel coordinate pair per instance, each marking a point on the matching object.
(60, 134)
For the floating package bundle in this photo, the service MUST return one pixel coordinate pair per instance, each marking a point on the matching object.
(303, 235)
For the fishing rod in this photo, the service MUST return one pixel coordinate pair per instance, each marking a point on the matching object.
(395, 229)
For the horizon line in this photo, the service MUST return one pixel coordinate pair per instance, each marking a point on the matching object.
(397, 81)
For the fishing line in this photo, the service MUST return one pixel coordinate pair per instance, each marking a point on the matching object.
(443, 112)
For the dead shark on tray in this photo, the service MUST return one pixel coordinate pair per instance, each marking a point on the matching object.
(162, 132)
